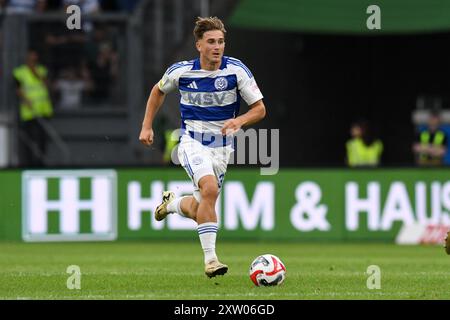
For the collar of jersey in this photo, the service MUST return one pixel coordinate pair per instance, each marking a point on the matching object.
(197, 66)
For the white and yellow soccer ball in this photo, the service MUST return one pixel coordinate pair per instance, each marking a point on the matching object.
(267, 270)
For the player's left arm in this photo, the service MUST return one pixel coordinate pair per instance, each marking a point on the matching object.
(251, 94)
(256, 112)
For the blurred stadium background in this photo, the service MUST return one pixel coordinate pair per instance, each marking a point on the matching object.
(320, 69)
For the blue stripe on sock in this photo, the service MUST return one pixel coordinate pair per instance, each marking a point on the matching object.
(210, 226)
(207, 228)
(207, 231)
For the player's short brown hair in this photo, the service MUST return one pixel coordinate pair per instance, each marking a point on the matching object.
(203, 25)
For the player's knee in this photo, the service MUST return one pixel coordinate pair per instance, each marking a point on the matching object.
(209, 190)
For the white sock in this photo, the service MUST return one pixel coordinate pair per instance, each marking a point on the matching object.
(207, 233)
(175, 206)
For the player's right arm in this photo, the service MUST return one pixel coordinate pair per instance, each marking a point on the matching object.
(167, 84)
(154, 102)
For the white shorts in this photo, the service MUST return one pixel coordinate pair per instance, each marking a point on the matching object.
(199, 160)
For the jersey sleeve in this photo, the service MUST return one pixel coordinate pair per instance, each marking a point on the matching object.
(247, 85)
(168, 82)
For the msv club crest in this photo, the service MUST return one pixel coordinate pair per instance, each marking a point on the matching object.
(221, 83)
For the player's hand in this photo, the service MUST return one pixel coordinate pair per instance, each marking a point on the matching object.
(231, 126)
(146, 136)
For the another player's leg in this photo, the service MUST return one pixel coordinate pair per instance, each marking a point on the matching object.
(207, 225)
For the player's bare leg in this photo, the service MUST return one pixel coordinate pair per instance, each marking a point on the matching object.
(204, 214)
(209, 191)
(207, 225)
(189, 207)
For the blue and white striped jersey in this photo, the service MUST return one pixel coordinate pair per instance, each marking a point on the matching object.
(209, 98)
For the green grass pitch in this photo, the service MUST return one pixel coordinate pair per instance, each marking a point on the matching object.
(174, 270)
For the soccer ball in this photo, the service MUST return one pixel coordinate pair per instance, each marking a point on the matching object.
(267, 270)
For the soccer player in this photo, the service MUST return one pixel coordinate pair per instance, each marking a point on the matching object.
(210, 88)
